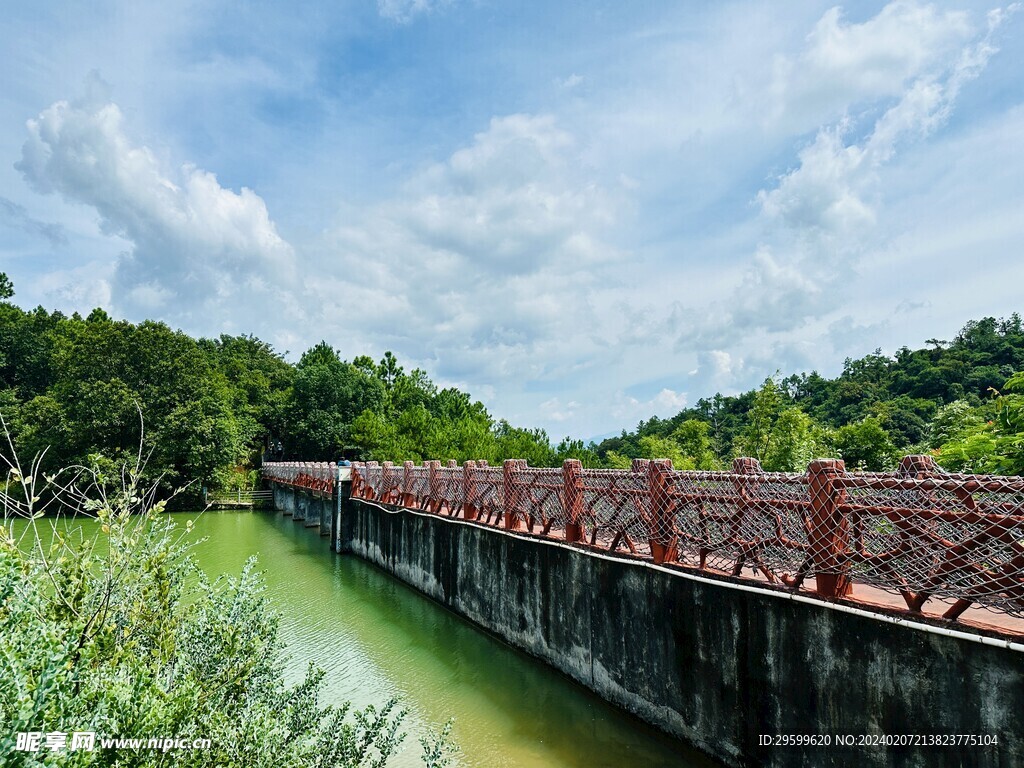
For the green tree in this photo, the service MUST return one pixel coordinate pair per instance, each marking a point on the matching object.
(327, 397)
(117, 633)
(1010, 424)
(865, 445)
(652, 447)
(614, 460)
(6, 287)
(989, 439)
(796, 440)
(758, 438)
(575, 449)
(694, 439)
(258, 383)
(953, 421)
(517, 443)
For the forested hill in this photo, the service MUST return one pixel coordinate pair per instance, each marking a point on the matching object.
(960, 400)
(210, 407)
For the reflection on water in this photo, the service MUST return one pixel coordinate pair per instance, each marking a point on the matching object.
(376, 638)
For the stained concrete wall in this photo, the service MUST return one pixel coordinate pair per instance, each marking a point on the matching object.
(284, 498)
(303, 506)
(706, 662)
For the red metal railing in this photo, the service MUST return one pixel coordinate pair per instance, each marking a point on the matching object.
(919, 532)
(313, 476)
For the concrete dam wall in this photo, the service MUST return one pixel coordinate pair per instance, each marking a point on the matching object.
(716, 666)
(728, 668)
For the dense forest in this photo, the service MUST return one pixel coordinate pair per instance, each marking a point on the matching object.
(92, 390)
(961, 401)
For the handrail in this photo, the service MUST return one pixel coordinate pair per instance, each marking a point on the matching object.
(919, 532)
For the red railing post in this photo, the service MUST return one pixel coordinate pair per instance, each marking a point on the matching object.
(387, 482)
(433, 500)
(918, 465)
(469, 510)
(407, 500)
(354, 490)
(828, 530)
(572, 487)
(660, 538)
(372, 492)
(509, 494)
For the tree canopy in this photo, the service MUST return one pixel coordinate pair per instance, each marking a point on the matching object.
(91, 390)
(961, 401)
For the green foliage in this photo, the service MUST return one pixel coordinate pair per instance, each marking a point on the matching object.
(865, 445)
(530, 444)
(987, 439)
(438, 749)
(948, 397)
(653, 447)
(575, 449)
(797, 440)
(953, 421)
(615, 460)
(415, 422)
(780, 435)
(694, 439)
(760, 435)
(79, 387)
(82, 387)
(975, 450)
(6, 287)
(119, 633)
(327, 396)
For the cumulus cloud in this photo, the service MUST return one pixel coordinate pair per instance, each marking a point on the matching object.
(502, 265)
(557, 411)
(820, 217)
(665, 403)
(488, 263)
(848, 64)
(80, 288)
(196, 251)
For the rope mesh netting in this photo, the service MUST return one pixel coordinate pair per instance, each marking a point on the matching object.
(919, 532)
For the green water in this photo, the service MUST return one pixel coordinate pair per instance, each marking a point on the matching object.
(377, 638)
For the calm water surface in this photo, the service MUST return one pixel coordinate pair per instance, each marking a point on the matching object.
(378, 639)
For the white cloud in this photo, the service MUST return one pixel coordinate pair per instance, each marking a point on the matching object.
(848, 64)
(665, 403)
(607, 232)
(15, 216)
(570, 82)
(848, 336)
(487, 264)
(557, 411)
(198, 252)
(828, 193)
(79, 289)
(404, 11)
(820, 218)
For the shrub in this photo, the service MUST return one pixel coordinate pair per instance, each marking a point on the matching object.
(119, 633)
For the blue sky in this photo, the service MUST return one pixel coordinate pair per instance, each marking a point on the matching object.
(584, 213)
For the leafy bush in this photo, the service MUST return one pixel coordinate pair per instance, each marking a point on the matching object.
(121, 634)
